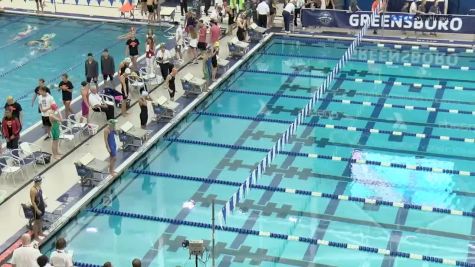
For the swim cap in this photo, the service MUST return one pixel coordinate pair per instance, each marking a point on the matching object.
(127, 71)
(144, 93)
(54, 107)
(9, 97)
(38, 179)
(112, 121)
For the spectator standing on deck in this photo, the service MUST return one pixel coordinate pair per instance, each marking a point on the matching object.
(143, 7)
(60, 257)
(202, 31)
(183, 7)
(55, 119)
(263, 12)
(84, 101)
(180, 43)
(91, 69)
(171, 83)
(66, 88)
(241, 27)
(150, 55)
(143, 104)
(11, 129)
(41, 83)
(111, 145)
(214, 60)
(163, 59)
(107, 66)
(215, 31)
(273, 10)
(26, 255)
(193, 44)
(132, 49)
(150, 10)
(287, 14)
(230, 13)
(298, 6)
(15, 108)
(44, 102)
(38, 205)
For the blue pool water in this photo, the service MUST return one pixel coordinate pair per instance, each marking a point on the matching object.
(21, 66)
(263, 89)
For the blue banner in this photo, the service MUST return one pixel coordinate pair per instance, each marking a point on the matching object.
(389, 20)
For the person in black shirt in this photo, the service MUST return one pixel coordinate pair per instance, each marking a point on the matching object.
(41, 83)
(15, 108)
(91, 68)
(132, 49)
(66, 88)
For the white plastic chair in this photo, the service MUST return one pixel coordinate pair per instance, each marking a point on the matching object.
(10, 167)
(27, 154)
(136, 83)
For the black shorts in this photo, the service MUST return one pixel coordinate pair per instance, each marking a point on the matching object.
(110, 76)
(214, 61)
(90, 79)
(46, 121)
(13, 144)
(67, 98)
(150, 8)
(201, 45)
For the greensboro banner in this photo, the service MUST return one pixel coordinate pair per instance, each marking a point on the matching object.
(390, 20)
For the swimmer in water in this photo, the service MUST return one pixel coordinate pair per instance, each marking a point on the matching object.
(29, 29)
(43, 43)
(126, 36)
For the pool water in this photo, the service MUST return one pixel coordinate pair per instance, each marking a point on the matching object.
(21, 66)
(275, 83)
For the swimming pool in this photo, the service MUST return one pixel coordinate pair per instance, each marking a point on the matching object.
(21, 66)
(385, 130)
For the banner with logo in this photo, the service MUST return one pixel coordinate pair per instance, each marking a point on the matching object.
(390, 20)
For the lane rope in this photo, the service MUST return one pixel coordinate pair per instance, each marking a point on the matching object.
(265, 234)
(372, 201)
(328, 157)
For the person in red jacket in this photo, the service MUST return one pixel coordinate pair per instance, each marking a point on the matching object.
(11, 129)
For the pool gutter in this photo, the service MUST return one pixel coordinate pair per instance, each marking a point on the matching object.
(75, 209)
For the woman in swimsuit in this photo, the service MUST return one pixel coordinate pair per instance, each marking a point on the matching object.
(111, 145)
(124, 82)
(85, 102)
(150, 55)
(38, 205)
(55, 119)
(144, 97)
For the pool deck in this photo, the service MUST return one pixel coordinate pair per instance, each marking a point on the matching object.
(64, 191)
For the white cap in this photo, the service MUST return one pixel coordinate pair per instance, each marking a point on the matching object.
(128, 71)
(144, 93)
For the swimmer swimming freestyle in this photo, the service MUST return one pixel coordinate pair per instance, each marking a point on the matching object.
(29, 29)
(44, 43)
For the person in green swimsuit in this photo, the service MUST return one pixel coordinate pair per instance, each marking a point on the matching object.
(55, 119)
